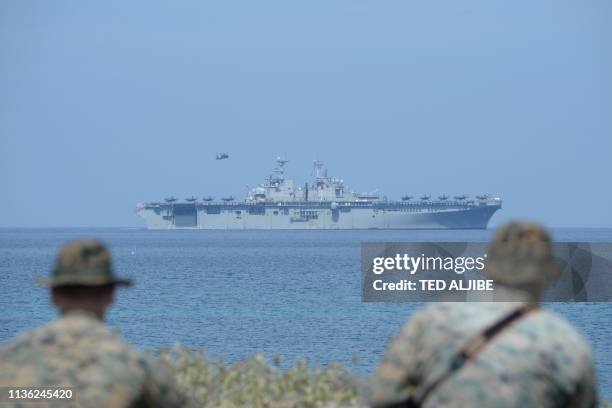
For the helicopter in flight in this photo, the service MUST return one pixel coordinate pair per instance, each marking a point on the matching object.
(222, 156)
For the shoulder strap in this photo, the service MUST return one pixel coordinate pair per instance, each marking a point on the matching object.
(470, 349)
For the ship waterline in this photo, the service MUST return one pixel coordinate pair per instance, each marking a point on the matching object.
(326, 204)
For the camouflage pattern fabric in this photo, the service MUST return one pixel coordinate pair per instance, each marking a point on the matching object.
(521, 256)
(538, 361)
(79, 351)
(84, 262)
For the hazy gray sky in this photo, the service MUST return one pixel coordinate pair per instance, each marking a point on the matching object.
(106, 104)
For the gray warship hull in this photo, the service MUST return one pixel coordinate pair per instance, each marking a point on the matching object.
(325, 203)
(309, 215)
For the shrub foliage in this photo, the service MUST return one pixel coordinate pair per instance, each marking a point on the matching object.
(256, 382)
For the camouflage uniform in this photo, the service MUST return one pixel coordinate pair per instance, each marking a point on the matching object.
(79, 351)
(537, 361)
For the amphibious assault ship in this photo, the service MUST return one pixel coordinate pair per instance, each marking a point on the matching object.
(326, 203)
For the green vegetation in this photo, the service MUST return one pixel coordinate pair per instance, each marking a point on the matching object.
(255, 382)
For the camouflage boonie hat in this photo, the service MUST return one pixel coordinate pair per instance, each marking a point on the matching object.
(83, 262)
(521, 255)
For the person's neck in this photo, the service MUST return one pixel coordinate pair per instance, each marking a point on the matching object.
(96, 314)
(505, 293)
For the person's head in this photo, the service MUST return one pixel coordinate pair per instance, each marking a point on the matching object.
(82, 278)
(95, 299)
(520, 256)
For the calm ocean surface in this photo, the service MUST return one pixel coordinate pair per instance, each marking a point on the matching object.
(296, 293)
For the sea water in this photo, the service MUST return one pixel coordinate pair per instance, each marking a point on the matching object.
(297, 293)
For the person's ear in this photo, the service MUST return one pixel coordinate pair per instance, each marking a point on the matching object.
(110, 296)
(54, 296)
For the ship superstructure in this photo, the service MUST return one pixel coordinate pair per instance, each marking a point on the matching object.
(324, 203)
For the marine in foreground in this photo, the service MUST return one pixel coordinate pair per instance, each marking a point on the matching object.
(78, 352)
(499, 354)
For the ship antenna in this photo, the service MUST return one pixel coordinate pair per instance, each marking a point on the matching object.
(318, 168)
(280, 168)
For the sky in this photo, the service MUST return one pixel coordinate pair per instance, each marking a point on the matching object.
(107, 104)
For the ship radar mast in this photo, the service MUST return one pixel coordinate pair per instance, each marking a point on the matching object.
(280, 167)
(320, 173)
(278, 176)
